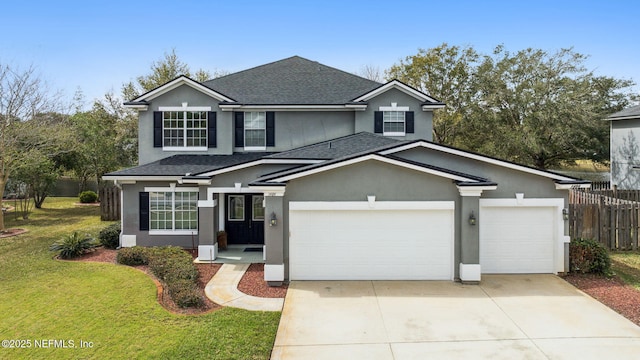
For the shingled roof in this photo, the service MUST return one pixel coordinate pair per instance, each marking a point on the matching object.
(629, 113)
(292, 81)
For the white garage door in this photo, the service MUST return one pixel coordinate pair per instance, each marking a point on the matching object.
(352, 241)
(518, 239)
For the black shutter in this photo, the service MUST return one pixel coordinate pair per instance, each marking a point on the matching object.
(239, 117)
(377, 122)
(408, 122)
(211, 128)
(271, 128)
(144, 211)
(157, 129)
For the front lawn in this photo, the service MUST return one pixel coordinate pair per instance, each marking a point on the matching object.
(627, 266)
(110, 310)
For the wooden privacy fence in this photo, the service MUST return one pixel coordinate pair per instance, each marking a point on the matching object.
(597, 214)
(109, 203)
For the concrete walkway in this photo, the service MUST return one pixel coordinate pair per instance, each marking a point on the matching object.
(223, 289)
(505, 317)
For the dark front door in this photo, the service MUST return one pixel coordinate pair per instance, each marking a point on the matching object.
(245, 219)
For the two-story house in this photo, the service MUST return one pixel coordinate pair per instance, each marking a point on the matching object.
(337, 176)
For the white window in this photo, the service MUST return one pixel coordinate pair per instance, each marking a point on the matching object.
(393, 120)
(393, 123)
(173, 211)
(236, 207)
(184, 130)
(255, 130)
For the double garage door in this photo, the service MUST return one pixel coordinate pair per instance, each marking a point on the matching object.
(377, 241)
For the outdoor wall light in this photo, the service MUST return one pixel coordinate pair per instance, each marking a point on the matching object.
(472, 219)
(565, 214)
(273, 221)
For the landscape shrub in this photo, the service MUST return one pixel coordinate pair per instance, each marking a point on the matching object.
(589, 256)
(171, 265)
(110, 236)
(87, 197)
(73, 245)
(185, 294)
(133, 256)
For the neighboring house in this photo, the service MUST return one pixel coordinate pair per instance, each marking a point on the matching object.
(625, 150)
(337, 176)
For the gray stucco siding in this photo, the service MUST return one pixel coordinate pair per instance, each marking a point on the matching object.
(299, 128)
(131, 218)
(423, 120)
(387, 182)
(147, 153)
(625, 153)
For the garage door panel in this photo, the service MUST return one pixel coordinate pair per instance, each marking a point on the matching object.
(371, 244)
(517, 239)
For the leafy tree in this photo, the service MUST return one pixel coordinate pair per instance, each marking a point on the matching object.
(24, 95)
(532, 107)
(103, 143)
(38, 177)
(543, 109)
(163, 71)
(446, 73)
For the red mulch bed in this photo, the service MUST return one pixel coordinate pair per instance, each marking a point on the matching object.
(252, 282)
(11, 232)
(613, 292)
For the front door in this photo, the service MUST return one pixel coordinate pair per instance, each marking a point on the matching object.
(245, 219)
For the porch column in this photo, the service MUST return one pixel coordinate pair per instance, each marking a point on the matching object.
(469, 235)
(207, 245)
(274, 226)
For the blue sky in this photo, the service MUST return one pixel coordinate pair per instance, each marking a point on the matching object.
(99, 45)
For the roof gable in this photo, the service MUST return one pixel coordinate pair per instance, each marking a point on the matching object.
(297, 173)
(397, 84)
(175, 83)
(292, 81)
(483, 158)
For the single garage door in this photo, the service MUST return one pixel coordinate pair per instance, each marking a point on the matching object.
(517, 239)
(363, 241)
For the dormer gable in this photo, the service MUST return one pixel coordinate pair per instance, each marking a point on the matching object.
(142, 101)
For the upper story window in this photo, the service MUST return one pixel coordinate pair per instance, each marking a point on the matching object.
(393, 123)
(393, 120)
(255, 130)
(184, 128)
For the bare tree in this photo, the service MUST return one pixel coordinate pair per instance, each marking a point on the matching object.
(23, 95)
(370, 72)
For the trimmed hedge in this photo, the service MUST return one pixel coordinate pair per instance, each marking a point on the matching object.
(589, 256)
(171, 265)
(133, 256)
(110, 236)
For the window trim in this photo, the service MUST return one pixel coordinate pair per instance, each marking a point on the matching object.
(253, 209)
(173, 190)
(229, 211)
(185, 108)
(395, 108)
(264, 130)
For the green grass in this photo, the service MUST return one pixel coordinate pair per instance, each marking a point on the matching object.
(627, 266)
(114, 307)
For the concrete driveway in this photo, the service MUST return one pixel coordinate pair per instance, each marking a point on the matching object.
(506, 317)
